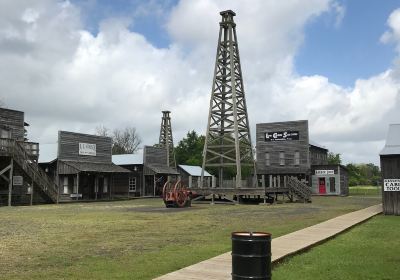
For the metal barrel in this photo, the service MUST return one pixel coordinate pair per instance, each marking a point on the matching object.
(251, 255)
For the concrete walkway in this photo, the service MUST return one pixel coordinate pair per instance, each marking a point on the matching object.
(219, 267)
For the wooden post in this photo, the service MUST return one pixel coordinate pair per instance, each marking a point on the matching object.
(32, 183)
(279, 181)
(190, 181)
(263, 182)
(77, 185)
(10, 183)
(270, 181)
(154, 187)
(96, 186)
(284, 181)
(213, 182)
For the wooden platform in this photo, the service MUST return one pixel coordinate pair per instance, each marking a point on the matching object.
(241, 191)
(219, 267)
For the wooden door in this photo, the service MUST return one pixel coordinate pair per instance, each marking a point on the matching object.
(322, 185)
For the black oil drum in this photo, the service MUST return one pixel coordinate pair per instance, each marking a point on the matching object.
(251, 255)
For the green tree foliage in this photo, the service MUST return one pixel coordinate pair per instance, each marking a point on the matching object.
(363, 174)
(190, 148)
(334, 158)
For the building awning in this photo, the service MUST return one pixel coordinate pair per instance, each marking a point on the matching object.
(162, 169)
(96, 167)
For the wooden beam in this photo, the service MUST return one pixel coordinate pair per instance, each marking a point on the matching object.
(10, 183)
(5, 169)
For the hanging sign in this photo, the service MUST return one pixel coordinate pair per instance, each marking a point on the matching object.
(18, 180)
(282, 136)
(391, 185)
(324, 172)
(86, 149)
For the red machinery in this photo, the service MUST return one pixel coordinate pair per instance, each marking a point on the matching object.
(176, 195)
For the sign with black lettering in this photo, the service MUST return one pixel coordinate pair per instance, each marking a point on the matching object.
(324, 172)
(18, 180)
(391, 185)
(86, 149)
(281, 136)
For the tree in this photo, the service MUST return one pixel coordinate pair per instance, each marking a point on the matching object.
(334, 158)
(190, 149)
(363, 174)
(125, 141)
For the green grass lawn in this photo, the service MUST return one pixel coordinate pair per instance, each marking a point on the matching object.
(141, 239)
(368, 251)
(365, 190)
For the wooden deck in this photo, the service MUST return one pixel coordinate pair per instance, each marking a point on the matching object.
(219, 267)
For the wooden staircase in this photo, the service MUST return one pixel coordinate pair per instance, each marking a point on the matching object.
(20, 156)
(298, 189)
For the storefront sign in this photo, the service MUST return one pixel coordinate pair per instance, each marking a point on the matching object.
(281, 136)
(86, 149)
(324, 172)
(18, 180)
(391, 185)
(75, 195)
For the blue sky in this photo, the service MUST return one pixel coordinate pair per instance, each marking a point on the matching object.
(351, 50)
(342, 52)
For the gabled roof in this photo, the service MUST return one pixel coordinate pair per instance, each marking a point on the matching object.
(193, 170)
(315, 144)
(128, 159)
(162, 169)
(392, 146)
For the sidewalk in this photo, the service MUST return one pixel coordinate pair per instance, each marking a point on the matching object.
(219, 267)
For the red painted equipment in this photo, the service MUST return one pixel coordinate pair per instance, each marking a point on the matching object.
(176, 195)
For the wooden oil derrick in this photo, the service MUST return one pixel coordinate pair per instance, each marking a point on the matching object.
(166, 139)
(228, 142)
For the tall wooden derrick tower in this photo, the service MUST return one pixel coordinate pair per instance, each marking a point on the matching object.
(228, 142)
(166, 139)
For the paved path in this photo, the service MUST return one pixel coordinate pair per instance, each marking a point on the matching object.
(219, 267)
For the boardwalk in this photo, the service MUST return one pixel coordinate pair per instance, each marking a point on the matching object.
(219, 267)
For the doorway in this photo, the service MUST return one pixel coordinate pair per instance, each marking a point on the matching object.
(322, 185)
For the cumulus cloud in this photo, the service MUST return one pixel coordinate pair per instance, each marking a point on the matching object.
(65, 77)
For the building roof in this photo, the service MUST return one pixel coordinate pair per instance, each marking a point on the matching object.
(162, 169)
(315, 144)
(193, 170)
(392, 146)
(128, 159)
(96, 167)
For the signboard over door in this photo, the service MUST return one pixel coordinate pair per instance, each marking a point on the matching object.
(282, 136)
(391, 185)
(86, 149)
(324, 172)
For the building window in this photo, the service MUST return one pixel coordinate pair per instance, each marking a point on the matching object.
(281, 158)
(296, 158)
(132, 184)
(105, 185)
(65, 185)
(267, 159)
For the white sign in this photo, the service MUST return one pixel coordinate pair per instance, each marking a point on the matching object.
(86, 149)
(74, 195)
(391, 185)
(324, 172)
(18, 180)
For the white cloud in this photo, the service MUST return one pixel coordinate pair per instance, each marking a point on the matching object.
(64, 77)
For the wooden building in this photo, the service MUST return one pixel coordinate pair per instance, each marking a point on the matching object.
(83, 168)
(149, 171)
(284, 151)
(21, 180)
(191, 176)
(390, 166)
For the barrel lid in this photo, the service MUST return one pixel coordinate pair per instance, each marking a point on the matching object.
(251, 234)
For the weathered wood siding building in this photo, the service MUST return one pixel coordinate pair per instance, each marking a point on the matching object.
(83, 167)
(191, 176)
(390, 167)
(285, 150)
(149, 172)
(21, 180)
